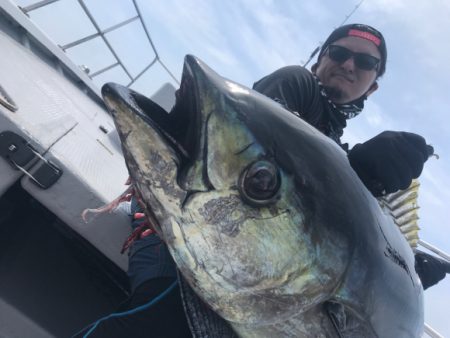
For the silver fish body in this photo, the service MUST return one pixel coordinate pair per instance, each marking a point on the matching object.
(264, 216)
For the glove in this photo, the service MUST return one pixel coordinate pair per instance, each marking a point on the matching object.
(389, 161)
(430, 269)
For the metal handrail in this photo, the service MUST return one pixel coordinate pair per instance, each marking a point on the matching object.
(434, 249)
(37, 5)
(428, 330)
(151, 43)
(93, 36)
(431, 332)
(102, 34)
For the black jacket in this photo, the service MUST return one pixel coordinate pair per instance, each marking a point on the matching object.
(299, 91)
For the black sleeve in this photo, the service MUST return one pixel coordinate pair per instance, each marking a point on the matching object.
(294, 87)
(431, 270)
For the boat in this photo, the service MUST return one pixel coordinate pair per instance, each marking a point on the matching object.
(60, 154)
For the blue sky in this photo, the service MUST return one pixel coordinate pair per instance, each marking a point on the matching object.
(246, 39)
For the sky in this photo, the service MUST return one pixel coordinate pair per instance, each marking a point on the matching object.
(244, 40)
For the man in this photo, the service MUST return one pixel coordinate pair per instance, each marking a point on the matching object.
(349, 63)
(154, 308)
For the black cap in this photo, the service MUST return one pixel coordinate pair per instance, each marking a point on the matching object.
(362, 31)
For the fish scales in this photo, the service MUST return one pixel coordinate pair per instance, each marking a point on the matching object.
(266, 220)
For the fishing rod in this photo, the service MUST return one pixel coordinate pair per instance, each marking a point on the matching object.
(315, 51)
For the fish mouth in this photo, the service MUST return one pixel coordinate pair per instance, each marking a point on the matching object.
(165, 152)
(179, 128)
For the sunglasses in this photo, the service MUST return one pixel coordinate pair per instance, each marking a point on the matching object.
(363, 61)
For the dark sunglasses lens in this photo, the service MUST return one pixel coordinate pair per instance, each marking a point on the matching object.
(339, 54)
(363, 61)
(366, 62)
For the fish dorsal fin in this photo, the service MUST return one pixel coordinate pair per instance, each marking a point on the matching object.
(403, 207)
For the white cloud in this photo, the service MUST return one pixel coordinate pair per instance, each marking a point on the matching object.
(425, 22)
(436, 306)
(392, 7)
(374, 116)
(371, 121)
(429, 198)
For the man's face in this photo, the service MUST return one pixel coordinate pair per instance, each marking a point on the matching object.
(344, 81)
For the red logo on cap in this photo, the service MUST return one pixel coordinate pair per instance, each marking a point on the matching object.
(365, 35)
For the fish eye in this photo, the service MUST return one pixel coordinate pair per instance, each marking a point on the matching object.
(259, 183)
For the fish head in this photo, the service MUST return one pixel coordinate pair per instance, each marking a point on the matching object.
(260, 211)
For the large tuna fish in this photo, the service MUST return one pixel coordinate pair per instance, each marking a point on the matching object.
(263, 215)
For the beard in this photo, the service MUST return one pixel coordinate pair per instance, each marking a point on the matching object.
(334, 94)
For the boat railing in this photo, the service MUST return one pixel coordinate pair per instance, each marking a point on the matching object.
(102, 33)
(428, 330)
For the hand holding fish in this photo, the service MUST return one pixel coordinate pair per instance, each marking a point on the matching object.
(389, 161)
